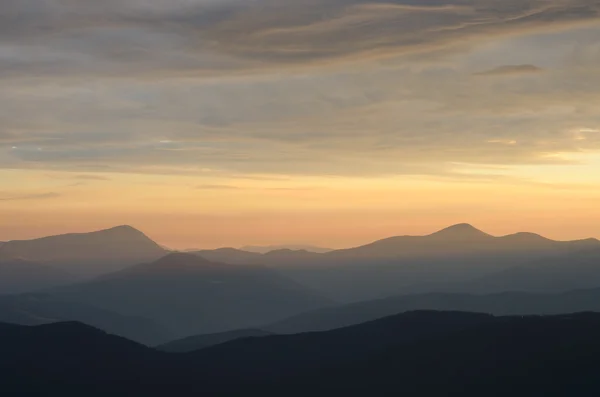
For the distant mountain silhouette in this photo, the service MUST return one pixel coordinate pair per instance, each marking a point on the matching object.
(506, 303)
(459, 239)
(86, 253)
(292, 247)
(419, 353)
(193, 295)
(231, 256)
(444, 260)
(19, 275)
(37, 309)
(198, 342)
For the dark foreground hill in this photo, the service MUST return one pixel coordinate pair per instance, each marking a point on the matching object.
(66, 357)
(418, 353)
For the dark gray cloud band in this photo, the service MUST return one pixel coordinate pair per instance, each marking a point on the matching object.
(197, 37)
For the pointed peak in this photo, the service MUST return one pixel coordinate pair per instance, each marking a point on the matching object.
(122, 229)
(461, 231)
(122, 232)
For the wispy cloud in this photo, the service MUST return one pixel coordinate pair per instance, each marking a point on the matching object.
(89, 177)
(216, 187)
(295, 87)
(166, 37)
(39, 196)
(508, 70)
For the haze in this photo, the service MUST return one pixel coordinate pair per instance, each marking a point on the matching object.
(324, 122)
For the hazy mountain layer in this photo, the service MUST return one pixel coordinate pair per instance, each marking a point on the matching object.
(192, 295)
(18, 275)
(507, 303)
(292, 247)
(36, 309)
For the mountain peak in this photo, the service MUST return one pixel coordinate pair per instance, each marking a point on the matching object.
(461, 231)
(122, 229)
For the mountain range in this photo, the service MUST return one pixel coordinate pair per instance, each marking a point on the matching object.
(293, 247)
(191, 295)
(416, 353)
(284, 291)
(39, 308)
(198, 342)
(505, 303)
(459, 258)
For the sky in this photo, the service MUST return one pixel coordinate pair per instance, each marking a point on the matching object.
(209, 123)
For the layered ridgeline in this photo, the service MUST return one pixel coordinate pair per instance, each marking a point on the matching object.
(417, 353)
(458, 259)
(292, 247)
(505, 303)
(198, 342)
(192, 295)
(86, 254)
(448, 260)
(40, 308)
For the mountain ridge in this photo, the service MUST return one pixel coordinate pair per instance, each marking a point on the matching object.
(193, 295)
(87, 254)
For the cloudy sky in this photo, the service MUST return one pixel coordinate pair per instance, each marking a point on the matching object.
(211, 123)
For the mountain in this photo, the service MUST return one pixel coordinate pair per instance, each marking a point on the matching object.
(511, 356)
(293, 247)
(285, 355)
(37, 309)
(192, 295)
(408, 264)
(86, 253)
(64, 357)
(18, 275)
(198, 342)
(577, 270)
(459, 240)
(231, 256)
(506, 303)
(420, 353)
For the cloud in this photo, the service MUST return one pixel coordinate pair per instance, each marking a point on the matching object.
(84, 177)
(40, 196)
(64, 37)
(510, 70)
(310, 87)
(216, 187)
